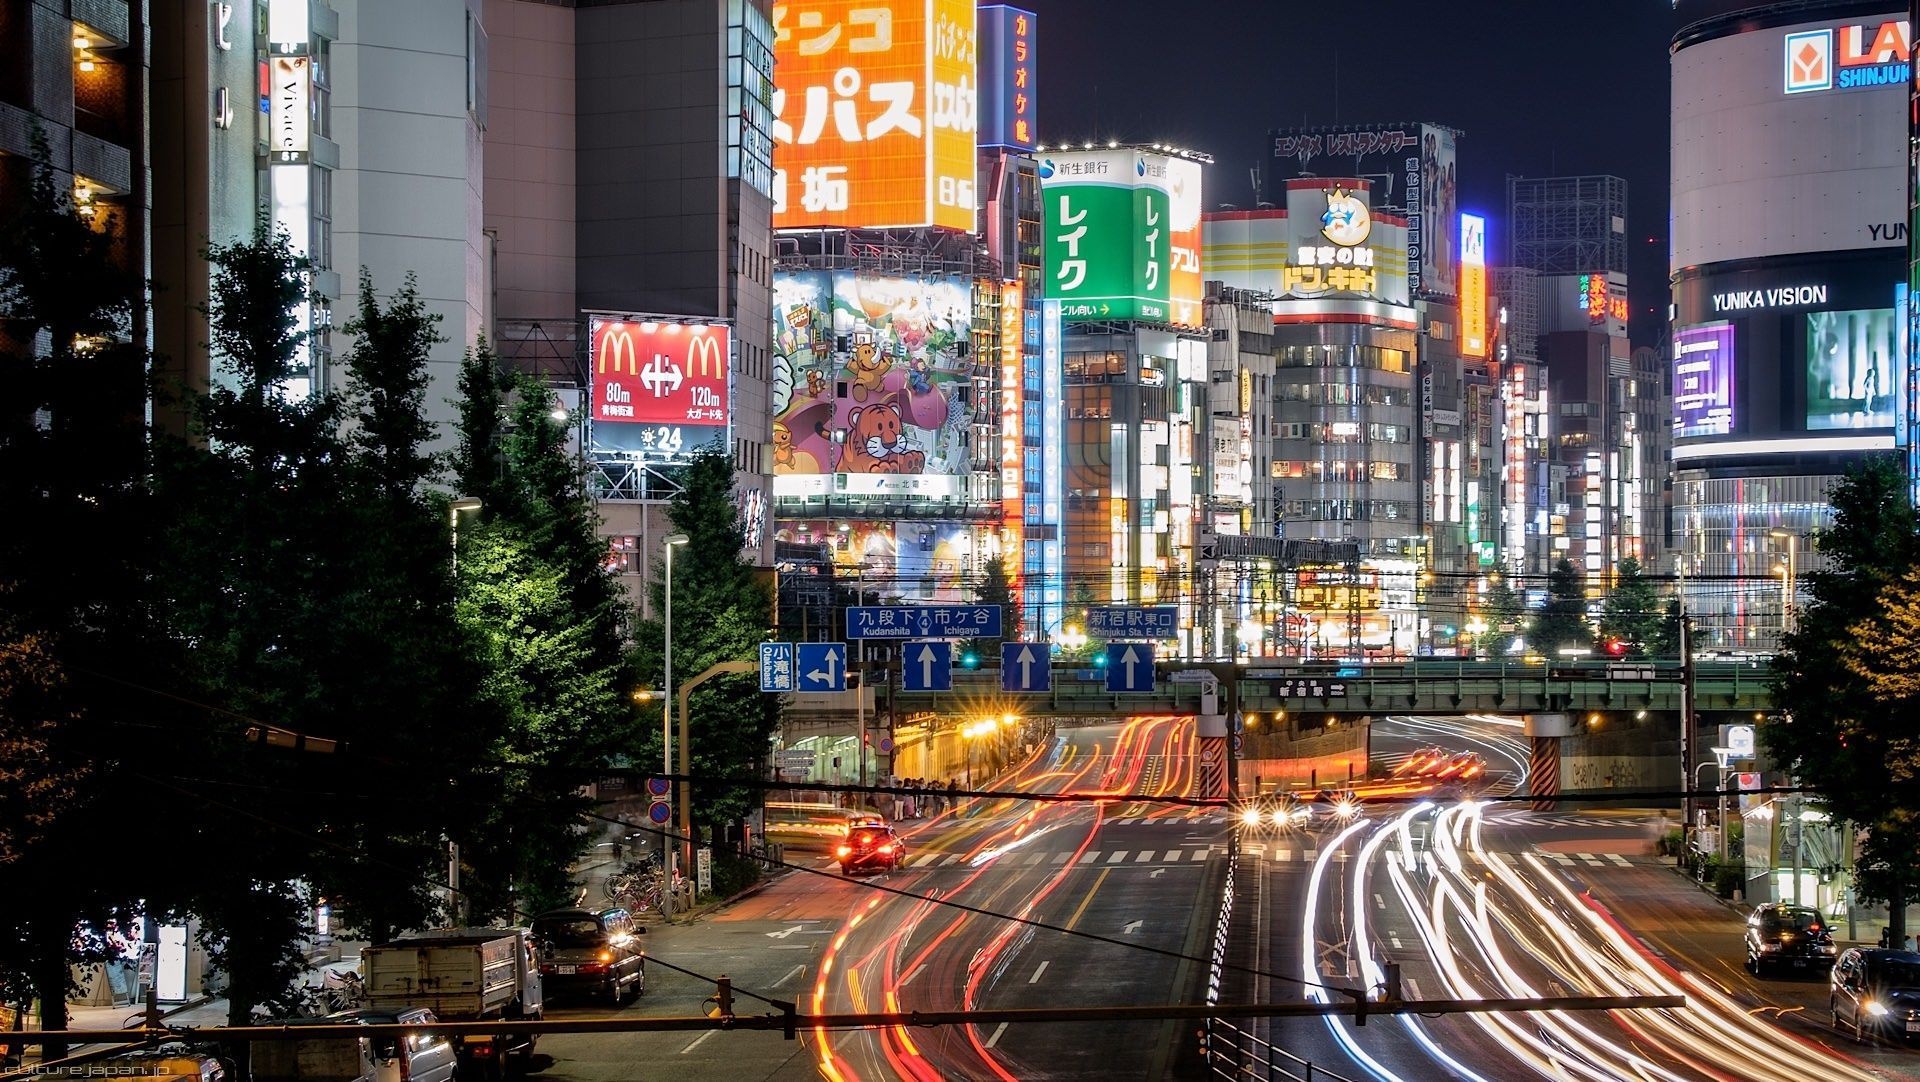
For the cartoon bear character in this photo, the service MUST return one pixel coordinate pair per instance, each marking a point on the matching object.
(782, 446)
(877, 442)
(869, 366)
(816, 382)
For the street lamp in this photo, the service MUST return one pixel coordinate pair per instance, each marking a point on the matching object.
(1786, 585)
(669, 543)
(463, 503)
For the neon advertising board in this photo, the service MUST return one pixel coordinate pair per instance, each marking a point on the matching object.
(1009, 78)
(1703, 380)
(1473, 286)
(1415, 167)
(1012, 451)
(1123, 235)
(660, 388)
(874, 109)
(871, 375)
(1851, 56)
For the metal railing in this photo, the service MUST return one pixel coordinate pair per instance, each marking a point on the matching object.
(1234, 1052)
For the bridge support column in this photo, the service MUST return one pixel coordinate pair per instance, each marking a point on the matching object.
(1543, 772)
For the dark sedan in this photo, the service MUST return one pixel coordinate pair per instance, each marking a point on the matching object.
(1783, 936)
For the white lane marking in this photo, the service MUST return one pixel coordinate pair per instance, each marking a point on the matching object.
(995, 1039)
(1172, 854)
(1283, 855)
(923, 860)
(1145, 855)
(791, 973)
(1395, 940)
(1035, 979)
(1117, 857)
(1310, 856)
(1061, 857)
(1620, 860)
(1090, 856)
(1411, 987)
(696, 1042)
(912, 975)
(1034, 858)
(1591, 860)
(1199, 854)
(1379, 902)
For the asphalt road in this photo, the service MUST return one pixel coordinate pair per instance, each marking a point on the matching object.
(1483, 900)
(1132, 874)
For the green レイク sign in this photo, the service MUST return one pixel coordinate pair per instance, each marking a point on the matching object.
(1108, 234)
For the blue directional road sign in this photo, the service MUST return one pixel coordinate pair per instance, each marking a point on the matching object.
(1025, 666)
(1134, 622)
(1129, 666)
(923, 621)
(821, 666)
(927, 666)
(776, 666)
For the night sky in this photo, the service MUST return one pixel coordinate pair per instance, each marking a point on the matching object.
(1539, 90)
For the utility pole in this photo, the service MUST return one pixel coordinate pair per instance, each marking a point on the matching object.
(1686, 726)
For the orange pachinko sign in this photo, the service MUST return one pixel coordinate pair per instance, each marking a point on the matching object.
(874, 107)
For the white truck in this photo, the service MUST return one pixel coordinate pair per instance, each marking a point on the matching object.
(463, 975)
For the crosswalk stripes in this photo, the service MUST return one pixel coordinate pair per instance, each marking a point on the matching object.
(1105, 858)
(1169, 820)
(1530, 819)
(1591, 860)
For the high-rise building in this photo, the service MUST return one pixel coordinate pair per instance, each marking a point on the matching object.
(1606, 467)
(1789, 260)
(628, 218)
(78, 74)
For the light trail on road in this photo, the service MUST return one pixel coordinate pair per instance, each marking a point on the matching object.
(1491, 925)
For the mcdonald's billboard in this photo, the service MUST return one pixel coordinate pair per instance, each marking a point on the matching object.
(659, 388)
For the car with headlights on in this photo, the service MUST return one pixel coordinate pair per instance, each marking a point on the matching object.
(870, 849)
(1876, 993)
(1785, 936)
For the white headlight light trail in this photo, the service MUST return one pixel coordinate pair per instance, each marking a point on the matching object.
(1309, 955)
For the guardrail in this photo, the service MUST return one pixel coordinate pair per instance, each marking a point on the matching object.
(1241, 1055)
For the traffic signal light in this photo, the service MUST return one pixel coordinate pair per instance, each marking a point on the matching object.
(1615, 648)
(970, 659)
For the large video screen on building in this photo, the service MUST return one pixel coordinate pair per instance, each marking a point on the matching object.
(660, 388)
(1703, 380)
(1850, 369)
(870, 383)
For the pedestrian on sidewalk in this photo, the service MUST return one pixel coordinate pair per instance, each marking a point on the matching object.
(123, 967)
(953, 794)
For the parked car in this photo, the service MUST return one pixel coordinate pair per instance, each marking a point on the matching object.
(591, 951)
(1876, 993)
(464, 975)
(870, 849)
(1783, 936)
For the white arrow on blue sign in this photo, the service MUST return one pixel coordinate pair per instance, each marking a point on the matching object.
(927, 666)
(1025, 666)
(821, 666)
(1129, 666)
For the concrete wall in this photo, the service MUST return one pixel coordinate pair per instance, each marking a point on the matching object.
(530, 158)
(1282, 760)
(407, 196)
(1622, 753)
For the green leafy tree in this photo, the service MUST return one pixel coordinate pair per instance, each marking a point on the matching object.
(1632, 612)
(476, 457)
(536, 595)
(730, 723)
(75, 628)
(1501, 609)
(1562, 621)
(1846, 724)
(996, 589)
(403, 673)
(255, 556)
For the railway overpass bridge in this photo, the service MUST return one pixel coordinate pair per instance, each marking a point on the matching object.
(1349, 693)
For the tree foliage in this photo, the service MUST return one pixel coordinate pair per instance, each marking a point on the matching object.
(1501, 609)
(1632, 612)
(724, 609)
(1848, 723)
(1562, 622)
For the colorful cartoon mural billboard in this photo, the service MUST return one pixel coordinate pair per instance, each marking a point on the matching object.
(869, 378)
(912, 560)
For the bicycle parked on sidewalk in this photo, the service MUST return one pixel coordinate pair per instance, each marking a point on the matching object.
(641, 887)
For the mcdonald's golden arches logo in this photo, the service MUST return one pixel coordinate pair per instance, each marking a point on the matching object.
(706, 358)
(615, 348)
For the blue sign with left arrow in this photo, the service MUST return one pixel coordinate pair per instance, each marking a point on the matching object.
(1129, 666)
(1025, 666)
(927, 666)
(822, 666)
